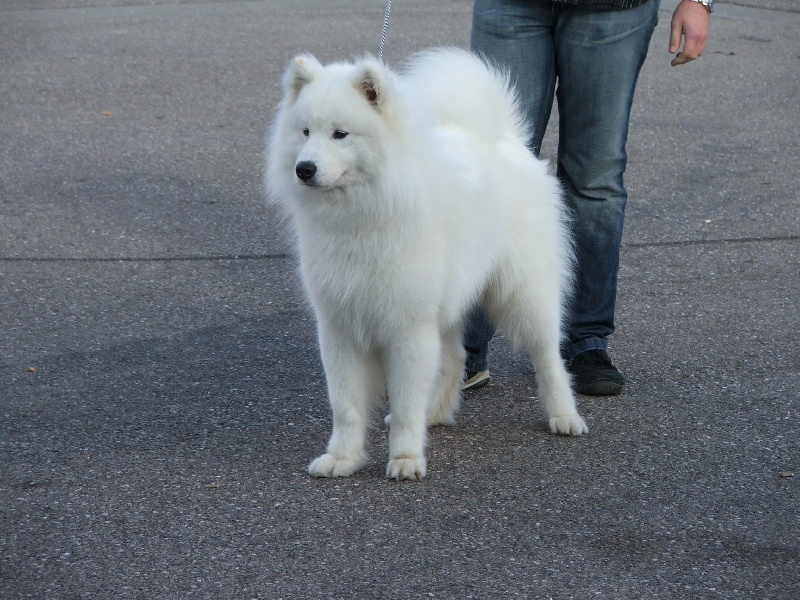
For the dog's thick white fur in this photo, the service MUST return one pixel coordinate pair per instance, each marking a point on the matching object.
(413, 197)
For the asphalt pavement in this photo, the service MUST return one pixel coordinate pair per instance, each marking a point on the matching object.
(160, 388)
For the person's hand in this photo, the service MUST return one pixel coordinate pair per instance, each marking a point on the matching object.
(690, 22)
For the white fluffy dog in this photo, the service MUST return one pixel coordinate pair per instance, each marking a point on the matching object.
(413, 198)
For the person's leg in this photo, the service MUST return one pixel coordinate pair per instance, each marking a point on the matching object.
(477, 333)
(516, 35)
(599, 56)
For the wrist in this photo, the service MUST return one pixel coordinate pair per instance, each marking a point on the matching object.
(708, 4)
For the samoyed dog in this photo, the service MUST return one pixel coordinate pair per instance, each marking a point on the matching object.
(413, 198)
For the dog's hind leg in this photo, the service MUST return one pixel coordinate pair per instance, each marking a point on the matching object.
(355, 382)
(447, 397)
(412, 369)
(532, 316)
(555, 393)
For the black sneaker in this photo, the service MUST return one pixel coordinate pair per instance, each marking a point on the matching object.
(593, 374)
(475, 379)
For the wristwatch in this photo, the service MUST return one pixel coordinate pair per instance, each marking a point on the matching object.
(709, 4)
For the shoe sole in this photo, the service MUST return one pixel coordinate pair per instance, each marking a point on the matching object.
(475, 383)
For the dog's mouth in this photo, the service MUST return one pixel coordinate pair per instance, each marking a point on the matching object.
(313, 182)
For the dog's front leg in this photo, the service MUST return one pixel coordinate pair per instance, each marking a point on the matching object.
(412, 369)
(354, 382)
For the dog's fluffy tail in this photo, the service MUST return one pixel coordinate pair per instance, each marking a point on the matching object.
(465, 91)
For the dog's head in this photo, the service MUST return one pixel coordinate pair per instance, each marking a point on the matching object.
(334, 120)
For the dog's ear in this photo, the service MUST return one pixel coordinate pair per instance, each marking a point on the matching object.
(371, 82)
(300, 73)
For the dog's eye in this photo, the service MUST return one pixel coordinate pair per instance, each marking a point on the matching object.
(339, 134)
(305, 131)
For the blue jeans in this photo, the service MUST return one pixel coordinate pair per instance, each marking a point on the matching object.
(589, 61)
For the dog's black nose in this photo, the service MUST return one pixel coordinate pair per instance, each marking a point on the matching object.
(305, 170)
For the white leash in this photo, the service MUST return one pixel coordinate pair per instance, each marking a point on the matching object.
(385, 28)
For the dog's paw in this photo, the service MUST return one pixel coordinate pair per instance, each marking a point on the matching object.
(568, 425)
(329, 465)
(406, 468)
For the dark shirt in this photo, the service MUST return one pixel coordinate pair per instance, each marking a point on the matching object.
(604, 4)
